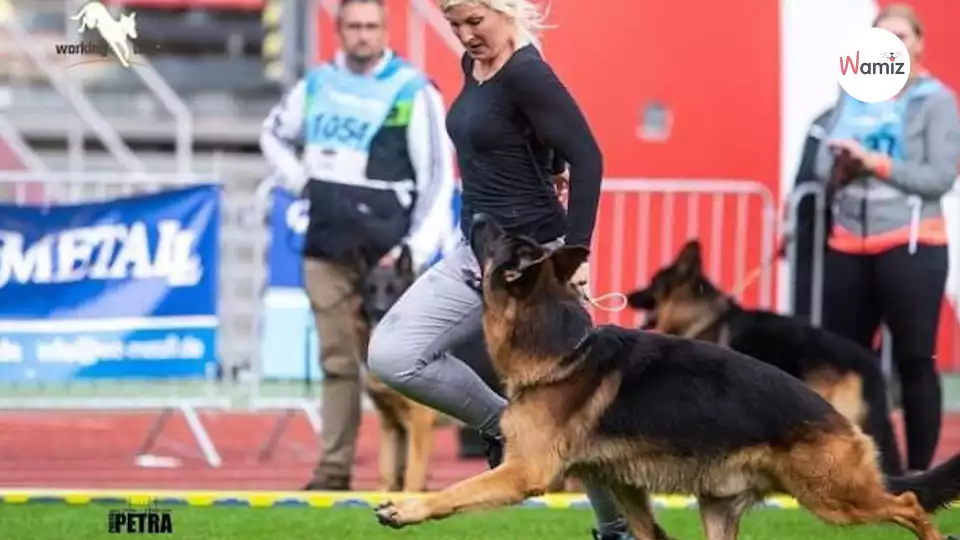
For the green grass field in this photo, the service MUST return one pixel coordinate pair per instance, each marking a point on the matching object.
(61, 521)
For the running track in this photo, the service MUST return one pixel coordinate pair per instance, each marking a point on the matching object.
(84, 450)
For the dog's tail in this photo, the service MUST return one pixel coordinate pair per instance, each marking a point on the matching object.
(935, 488)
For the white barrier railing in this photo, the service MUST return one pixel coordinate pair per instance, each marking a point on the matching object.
(650, 220)
(642, 224)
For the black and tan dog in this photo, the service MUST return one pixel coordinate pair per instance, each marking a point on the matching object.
(681, 300)
(406, 427)
(645, 412)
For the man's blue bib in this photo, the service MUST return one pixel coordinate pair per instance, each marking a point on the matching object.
(879, 126)
(345, 110)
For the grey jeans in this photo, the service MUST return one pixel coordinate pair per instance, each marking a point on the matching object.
(410, 348)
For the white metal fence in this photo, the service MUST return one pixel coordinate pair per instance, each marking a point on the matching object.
(647, 221)
(644, 224)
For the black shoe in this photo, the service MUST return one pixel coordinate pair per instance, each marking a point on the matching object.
(334, 483)
(617, 535)
(622, 532)
(494, 450)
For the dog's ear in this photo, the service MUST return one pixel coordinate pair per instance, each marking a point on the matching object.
(484, 231)
(566, 260)
(528, 256)
(405, 261)
(690, 262)
(641, 300)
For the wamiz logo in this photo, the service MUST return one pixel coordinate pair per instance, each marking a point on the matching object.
(874, 66)
(147, 520)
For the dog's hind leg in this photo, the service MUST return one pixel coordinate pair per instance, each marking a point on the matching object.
(419, 427)
(843, 391)
(864, 404)
(391, 434)
(721, 516)
(836, 478)
(391, 441)
(637, 509)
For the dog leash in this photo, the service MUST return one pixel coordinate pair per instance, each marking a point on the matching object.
(751, 278)
(595, 301)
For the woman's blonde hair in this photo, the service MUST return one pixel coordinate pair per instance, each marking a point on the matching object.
(529, 19)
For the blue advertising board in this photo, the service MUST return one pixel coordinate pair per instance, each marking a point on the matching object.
(289, 342)
(125, 288)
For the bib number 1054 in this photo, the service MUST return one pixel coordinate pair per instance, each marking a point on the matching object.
(343, 129)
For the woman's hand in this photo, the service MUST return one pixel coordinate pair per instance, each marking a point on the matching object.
(857, 154)
(581, 279)
(562, 184)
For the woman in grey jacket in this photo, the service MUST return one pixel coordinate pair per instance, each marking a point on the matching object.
(892, 162)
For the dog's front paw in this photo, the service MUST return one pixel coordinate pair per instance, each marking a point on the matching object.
(397, 515)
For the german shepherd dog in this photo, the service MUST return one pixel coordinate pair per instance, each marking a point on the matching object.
(642, 412)
(406, 427)
(683, 301)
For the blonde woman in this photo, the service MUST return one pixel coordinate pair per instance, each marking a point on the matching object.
(514, 125)
(892, 163)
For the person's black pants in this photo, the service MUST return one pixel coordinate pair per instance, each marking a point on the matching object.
(904, 291)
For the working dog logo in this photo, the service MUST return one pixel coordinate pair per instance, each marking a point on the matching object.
(116, 33)
(94, 15)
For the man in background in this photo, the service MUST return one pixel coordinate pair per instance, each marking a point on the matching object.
(377, 172)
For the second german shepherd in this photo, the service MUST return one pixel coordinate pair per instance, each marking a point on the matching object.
(683, 301)
(406, 427)
(645, 412)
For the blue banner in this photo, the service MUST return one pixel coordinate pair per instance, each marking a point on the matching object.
(125, 288)
(289, 342)
(288, 225)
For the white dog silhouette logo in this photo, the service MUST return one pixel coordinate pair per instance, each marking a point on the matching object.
(94, 15)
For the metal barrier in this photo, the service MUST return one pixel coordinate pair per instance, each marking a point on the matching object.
(650, 220)
(735, 221)
(792, 227)
(645, 222)
(242, 240)
(951, 205)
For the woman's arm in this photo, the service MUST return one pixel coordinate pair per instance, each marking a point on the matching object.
(558, 121)
(935, 173)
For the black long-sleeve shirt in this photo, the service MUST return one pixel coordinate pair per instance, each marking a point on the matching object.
(506, 131)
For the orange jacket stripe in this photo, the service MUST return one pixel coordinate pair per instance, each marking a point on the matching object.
(932, 231)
